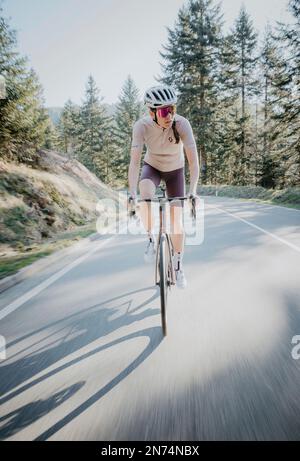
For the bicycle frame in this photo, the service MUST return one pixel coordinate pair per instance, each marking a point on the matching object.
(164, 269)
(163, 235)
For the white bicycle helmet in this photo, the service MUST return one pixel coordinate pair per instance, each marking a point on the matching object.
(160, 96)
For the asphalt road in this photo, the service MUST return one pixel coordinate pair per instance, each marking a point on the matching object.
(86, 360)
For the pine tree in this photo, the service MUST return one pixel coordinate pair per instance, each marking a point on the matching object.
(191, 63)
(52, 138)
(225, 121)
(68, 127)
(128, 110)
(270, 62)
(94, 148)
(287, 89)
(244, 82)
(24, 121)
(32, 117)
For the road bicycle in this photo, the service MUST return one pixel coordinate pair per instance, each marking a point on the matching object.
(164, 269)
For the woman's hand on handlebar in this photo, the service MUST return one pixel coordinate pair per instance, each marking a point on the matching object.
(195, 203)
(195, 198)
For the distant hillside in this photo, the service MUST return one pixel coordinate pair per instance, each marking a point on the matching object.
(55, 112)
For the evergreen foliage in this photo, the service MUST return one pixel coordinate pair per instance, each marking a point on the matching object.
(24, 122)
(128, 110)
(241, 96)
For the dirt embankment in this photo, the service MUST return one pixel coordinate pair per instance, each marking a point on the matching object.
(39, 207)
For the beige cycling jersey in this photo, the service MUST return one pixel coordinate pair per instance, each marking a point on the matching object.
(162, 151)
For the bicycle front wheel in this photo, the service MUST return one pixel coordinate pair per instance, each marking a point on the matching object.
(163, 283)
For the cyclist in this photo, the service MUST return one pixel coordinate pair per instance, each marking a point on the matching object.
(165, 134)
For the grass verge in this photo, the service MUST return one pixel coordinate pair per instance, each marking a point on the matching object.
(289, 198)
(10, 264)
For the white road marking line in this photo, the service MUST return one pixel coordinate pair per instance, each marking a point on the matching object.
(270, 234)
(39, 288)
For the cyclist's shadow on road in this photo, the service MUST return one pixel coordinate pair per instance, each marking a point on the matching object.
(22, 417)
(88, 325)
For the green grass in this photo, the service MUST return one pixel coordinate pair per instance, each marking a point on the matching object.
(272, 202)
(9, 265)
(76, 234)
(289, 197)
(284, 204)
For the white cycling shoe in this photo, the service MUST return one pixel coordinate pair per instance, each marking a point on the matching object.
(180, 279)
(150, 252)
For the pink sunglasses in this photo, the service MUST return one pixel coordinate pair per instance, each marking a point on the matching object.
(164, 111)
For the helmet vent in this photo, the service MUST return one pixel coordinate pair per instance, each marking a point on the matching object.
(156, 95)
(162, 95)
(168, 93)
(159, 96)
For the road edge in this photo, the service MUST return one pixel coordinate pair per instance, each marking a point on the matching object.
(46, 261)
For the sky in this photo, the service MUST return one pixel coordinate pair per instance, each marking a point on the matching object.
(67, 40)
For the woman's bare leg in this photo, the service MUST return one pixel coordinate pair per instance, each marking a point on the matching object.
(177, 230)
(147, 191)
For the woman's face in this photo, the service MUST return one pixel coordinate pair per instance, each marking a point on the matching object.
(165, 122)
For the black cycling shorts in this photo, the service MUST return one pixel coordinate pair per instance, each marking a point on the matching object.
(175, 181)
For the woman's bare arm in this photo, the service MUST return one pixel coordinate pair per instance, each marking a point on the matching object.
(134, 169)
(192, 156)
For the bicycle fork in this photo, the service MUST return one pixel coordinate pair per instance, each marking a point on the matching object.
(164, 237)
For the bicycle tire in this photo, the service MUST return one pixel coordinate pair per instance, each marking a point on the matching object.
(170, 268)
(163, 284)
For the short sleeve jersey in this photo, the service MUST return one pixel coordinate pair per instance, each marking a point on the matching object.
(162, 151)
